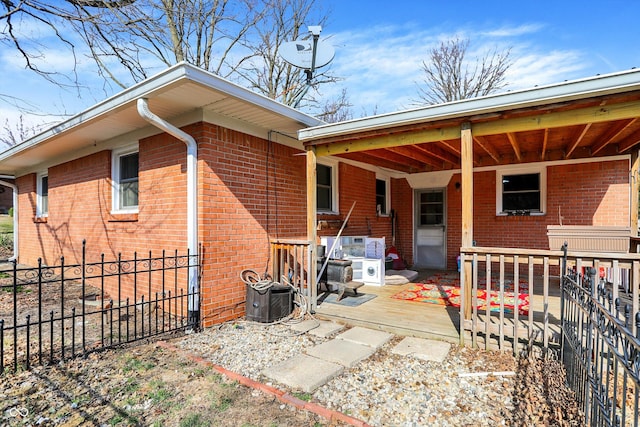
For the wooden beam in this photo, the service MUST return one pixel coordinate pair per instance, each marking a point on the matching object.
(451, 147)
(575, 144)
(396, 158)
(582, 116)
(545, 141)
(635, 191)
(607, 138)
(312, 213)
(629, 142)
(466, 146)
(439, 153)
(388, 141)
(416, 154)
(488, 148)
(364, 157)
(514, 144)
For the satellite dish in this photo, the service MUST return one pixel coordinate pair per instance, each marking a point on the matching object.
(300, 53)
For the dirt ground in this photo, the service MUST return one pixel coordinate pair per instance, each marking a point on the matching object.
(143, 385)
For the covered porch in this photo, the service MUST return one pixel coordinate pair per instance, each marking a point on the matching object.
(588, 125)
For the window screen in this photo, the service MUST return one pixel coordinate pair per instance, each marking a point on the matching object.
(521, 193)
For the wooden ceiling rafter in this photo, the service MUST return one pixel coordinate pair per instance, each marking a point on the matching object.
(488, 148)
(629, 142)
(448, 145)
(364, 157)
(612, 134)
(545, 142)
(577, 141)
(397, 158)
(439, 153)
(514, 144)
(416, 154)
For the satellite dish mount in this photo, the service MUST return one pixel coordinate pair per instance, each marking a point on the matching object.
(308, 54)
(315, 31)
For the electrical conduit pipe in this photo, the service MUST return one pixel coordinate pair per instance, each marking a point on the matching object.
(192, 207)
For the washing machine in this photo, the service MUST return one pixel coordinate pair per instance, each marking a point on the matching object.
(373, 271)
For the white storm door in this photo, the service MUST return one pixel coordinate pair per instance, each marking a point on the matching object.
(431, 229)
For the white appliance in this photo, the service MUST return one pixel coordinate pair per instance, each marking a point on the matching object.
(373, 271)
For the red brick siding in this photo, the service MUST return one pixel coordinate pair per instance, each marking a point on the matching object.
(402, 204)
(251, 192)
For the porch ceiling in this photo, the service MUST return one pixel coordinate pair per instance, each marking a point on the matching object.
(595, 126)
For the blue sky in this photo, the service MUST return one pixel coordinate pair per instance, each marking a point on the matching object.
(380, 46)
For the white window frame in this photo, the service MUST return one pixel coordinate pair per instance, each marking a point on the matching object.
(387, 189)
(40, 212)
(522, 170)
(333, 164)
(115, 179)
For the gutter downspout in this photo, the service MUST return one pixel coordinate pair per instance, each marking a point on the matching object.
(15, 214)
(192, 207)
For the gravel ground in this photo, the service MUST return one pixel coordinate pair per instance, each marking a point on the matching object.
(391, 390)
(150, 385)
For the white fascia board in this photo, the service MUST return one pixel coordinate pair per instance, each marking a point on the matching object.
(558, 92)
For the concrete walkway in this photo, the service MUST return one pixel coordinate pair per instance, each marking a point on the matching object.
(320, 364)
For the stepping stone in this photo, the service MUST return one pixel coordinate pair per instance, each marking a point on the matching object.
(346, 353)
(423, 349)
(324, 330)
(303, 372)
(365, 336)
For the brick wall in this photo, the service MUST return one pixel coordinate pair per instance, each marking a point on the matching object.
(402, 204)
(252, 191)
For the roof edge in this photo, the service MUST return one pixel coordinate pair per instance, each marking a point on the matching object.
(147, 87)
(624, 81)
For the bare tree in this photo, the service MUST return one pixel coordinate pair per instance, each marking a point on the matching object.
(268, 73)
(50, 17)
(14, 133)
(337, 109)
(236, 39)
(133, 42)
(449, 76)
(129, 40)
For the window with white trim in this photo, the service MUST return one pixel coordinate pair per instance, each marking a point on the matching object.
(125, 180)
(327, 187)
(521, 192)
(42, 191)
(383, 201)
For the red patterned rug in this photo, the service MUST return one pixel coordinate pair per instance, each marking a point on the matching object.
(444, 289)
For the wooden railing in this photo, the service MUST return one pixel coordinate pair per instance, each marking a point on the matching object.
(290, 260)
(511, 298)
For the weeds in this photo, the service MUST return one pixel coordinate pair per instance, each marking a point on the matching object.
(303, 396)
(136, 365)
(194, 420)
(159, 394)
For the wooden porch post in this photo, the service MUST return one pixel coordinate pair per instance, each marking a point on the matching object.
(635, 192)
(466, 147)
(311, 227)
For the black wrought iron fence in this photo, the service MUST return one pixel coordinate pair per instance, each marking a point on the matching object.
(50, 313)
(600, 350)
